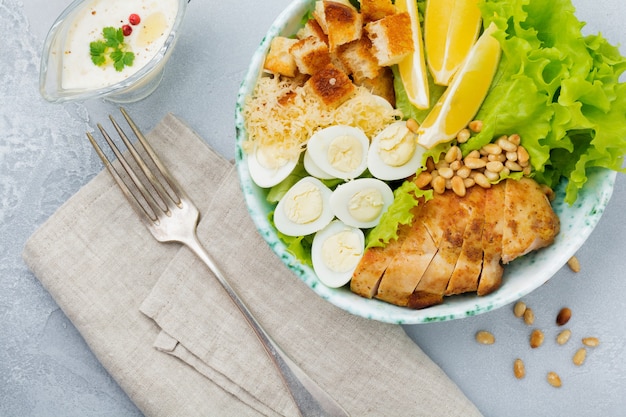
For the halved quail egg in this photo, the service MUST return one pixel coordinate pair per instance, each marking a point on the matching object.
(304, 209)
(339, 150)
(312, 169)
(268, 166)
(336, 252)
(361, 202)
(394, 153)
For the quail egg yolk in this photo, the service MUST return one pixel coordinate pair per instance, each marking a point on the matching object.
(342, 251)
(270, 157)
(345, 153)
(366, 205)
(397, 147)
(304, 204)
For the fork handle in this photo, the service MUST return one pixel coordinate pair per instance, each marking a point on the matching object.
(309, 397)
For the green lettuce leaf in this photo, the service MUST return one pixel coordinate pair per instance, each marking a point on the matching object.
(406, 196)
(298, 246)
(556, 88)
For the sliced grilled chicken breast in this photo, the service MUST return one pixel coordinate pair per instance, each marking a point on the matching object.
(458, 244)
(469, 265)
(408, 266)
(529, 222)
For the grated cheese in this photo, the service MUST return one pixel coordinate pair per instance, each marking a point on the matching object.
(280, 114)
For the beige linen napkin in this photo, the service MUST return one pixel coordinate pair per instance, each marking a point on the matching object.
(160, 324)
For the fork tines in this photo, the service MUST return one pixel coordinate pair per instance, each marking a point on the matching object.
(148, 193)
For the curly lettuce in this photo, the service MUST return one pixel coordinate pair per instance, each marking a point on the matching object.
(400, 212)
(558, 89)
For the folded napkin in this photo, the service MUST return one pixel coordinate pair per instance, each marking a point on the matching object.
(165, 330)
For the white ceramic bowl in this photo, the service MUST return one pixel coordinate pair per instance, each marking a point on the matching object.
(134, 88)
(521, 276)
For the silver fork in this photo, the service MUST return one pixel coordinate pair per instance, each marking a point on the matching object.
(170, 215)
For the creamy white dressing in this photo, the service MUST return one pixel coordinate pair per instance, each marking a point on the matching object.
(157, 19)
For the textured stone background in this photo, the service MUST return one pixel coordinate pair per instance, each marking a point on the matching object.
(47, 370)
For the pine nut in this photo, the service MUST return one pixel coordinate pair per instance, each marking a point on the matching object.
(519, 309)
(511, 156)
(519, 369)
(456, 165)
(474, 163)
(554, 379)
(563, 317)
(463, 136)
(423, 179)
(591, 341)
(515, 139)
(442, 164)
(492, 148)
(563, 337)
(505, 172)
(430, 164)
(458, 186)
(448, 183)
(513, 166)
(579, 356)
(439, 184)
(573, 264)
(481, 180)
(485, 338)
(463, 172)
(522, 154)
(527, 170)
(491, 176)
(412, 125)
(468, 182)
(536, 338)
(496, 157)
(494, 166)
(476, 126)
(446, 172)
(473, 154)
(529, 316)
(453, 154)
(506, 146)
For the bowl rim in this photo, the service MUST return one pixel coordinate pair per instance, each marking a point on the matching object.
(59, 95)
(596, 192)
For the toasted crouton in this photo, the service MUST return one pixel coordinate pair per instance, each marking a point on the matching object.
(279, 59)
(310, 54)
(340, 21)
(312, 28)
(331, 85)
(376, 9)
(391, 38)
(335, 59)
(381, 85)
(358, 59)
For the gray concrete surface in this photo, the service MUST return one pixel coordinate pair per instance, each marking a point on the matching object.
(46, 369)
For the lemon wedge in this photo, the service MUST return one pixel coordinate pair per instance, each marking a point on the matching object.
(412, 69)
(450, 29)
(462, 99)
